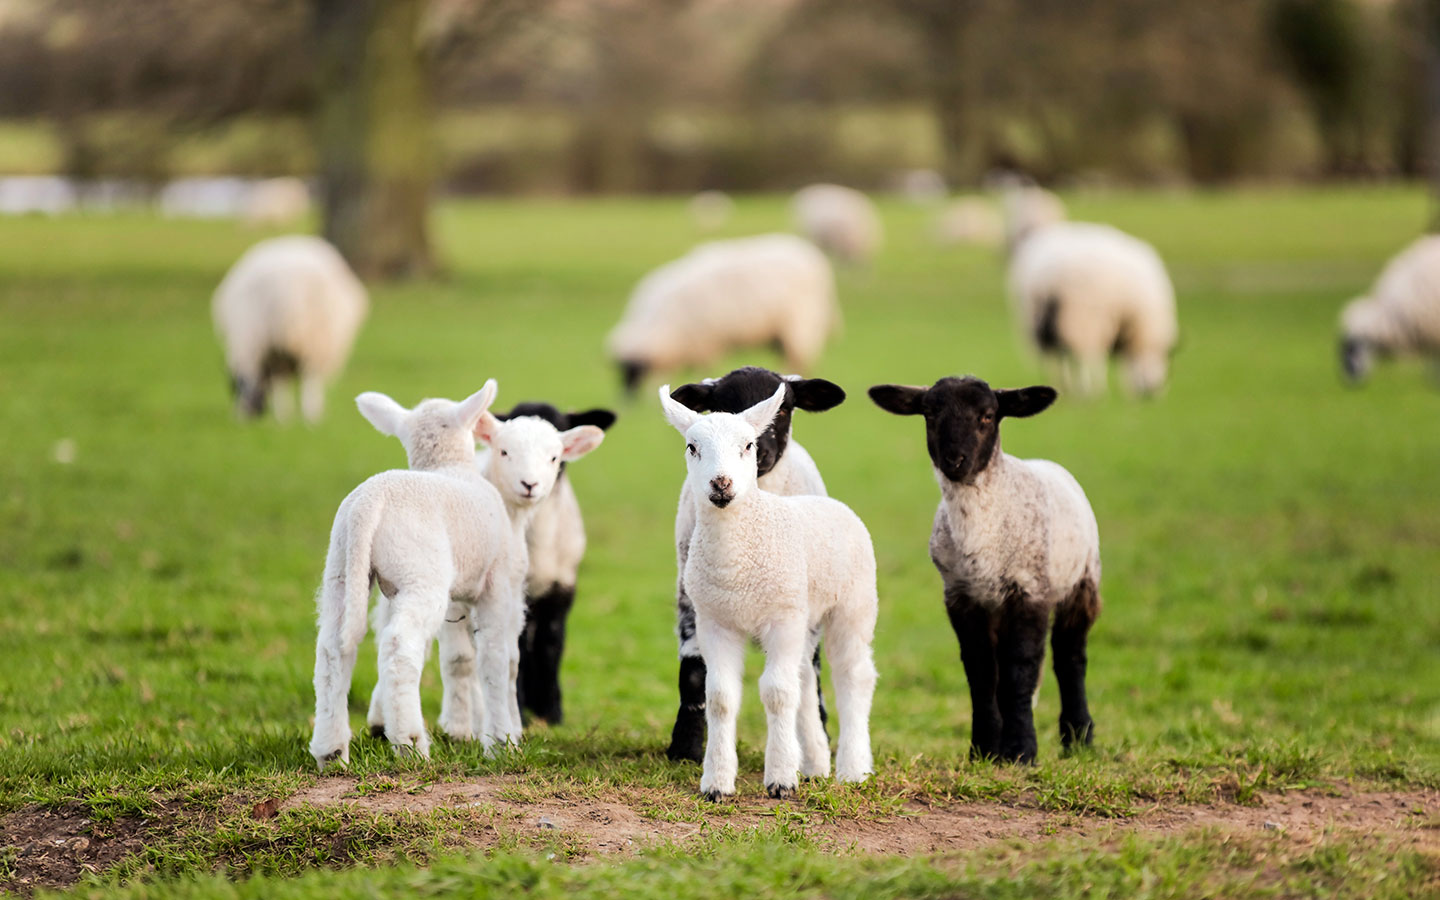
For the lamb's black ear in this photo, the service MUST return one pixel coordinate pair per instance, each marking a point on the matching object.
(695, 396)
(600, 418)
(1025, 401)
(505, 416)
(816, 394)
(900, 399)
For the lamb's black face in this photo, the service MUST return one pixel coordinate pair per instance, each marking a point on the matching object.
(1355, 359)
(745, 387)
(631, 374)
(962, 419)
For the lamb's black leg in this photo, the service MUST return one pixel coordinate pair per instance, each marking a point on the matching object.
(545, 623)
(687, 739)
(1073, 618)
(819, 690)
(525, 677)
(1020, 654)
(975, 630)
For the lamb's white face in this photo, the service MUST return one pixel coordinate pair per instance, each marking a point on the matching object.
(435, 432)
(720, 447)
(526, 453)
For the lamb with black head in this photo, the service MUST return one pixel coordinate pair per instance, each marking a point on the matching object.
(1015, 540)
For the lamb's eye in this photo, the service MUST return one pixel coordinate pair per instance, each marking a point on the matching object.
(987, 418)
(554, 459)
(504, 453)
(750, 446)
(693, 451)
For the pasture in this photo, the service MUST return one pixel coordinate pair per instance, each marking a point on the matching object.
(1268, 655)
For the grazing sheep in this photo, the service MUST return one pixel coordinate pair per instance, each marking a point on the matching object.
(970, 220)
(724, 295)
(289, 307)
(840, 220)
(276, 201)
(783, 467)
(921, 186)
(1084, 292)
(1014, 540)
(771, 568)
(555, 539)
(710, 210)
(1401, 314)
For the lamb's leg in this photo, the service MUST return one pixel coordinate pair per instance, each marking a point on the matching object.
(1019, 654)
(975, 630)
(687, 738)
(282, 398)
(819, 687)
(810, 717)
(458, 672)
(547, 616)
(415, 617)
(312, 397)
(335, 652)
(724, 653)
(501, 621)
(1073, 618)
(785, 647)
(848, 634)
(375, 718)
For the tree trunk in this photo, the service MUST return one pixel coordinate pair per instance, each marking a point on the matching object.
(374, 135)
(943, 25)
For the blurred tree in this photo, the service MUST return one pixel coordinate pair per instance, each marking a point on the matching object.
(1322, 41)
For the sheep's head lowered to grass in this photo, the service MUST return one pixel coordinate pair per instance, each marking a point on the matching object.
(435, 433)
(721, 448)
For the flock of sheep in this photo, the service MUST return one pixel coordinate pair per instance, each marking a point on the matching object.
(481, 550)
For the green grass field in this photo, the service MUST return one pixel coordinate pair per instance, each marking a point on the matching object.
(1271, 543)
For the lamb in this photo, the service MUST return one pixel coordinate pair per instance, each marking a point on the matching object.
(555, 540)
(723, 295)
(1401, 314)
(289, 307)
(784, 467)
(447, 548)
(772, 568)
(1083, 292)
(1014, 540)
(840, 220)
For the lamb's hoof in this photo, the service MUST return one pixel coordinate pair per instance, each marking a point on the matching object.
(377, 732)
(335, 758)
(687, 740)
(716, 796)
(780, 792)
(1076, 736)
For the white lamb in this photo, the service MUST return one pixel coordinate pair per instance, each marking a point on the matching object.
(1014, 539)
(448, 551)
(289, 307)
(1085, 292)
(726, 295)
(773, 569)
(1401, 314)
(840, 220)
(970, 220)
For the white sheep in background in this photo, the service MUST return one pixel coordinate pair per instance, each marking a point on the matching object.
(555, 539)
(446, 543)
(970, 220)
(289, 307)
(710, 210)
(727, 295)
(1014, 540)
(276, 201)
(1400, 315)
(771, 568)
(921, 186)
(840, 220)
(784, 467)
(205, 197)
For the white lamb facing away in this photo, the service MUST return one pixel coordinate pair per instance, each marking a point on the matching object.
(290, 307)
(1401, 314)
(774, 569)
(727, 295)
(840, 220)
(447, 549)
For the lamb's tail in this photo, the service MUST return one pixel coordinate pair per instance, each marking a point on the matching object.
(345, 595)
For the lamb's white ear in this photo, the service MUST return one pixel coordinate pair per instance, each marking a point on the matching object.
(579, 441)
(487, 428)
(475, 405)
(382, 412)
(760, 415)
(680, 416)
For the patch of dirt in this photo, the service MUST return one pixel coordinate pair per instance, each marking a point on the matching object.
(54, 848)
(613, 825)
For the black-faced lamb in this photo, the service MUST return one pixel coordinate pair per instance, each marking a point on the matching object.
(784, 467)
(771, 568)
(1015, 541)
(1401, 314)
(288, 309)
(555, 538)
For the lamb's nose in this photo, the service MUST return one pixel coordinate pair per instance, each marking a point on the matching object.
(721, 483)
(529, 486)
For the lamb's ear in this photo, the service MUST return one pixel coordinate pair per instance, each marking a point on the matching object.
(761, 414)
(1025, 401)
(815, 394)
(695, 396)
(680, 416)
(579, 441)
(382, 412)
(900, 399)
(600, 418)
(475, 405)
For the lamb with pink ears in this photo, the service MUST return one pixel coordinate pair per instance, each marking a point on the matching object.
(771, 568)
